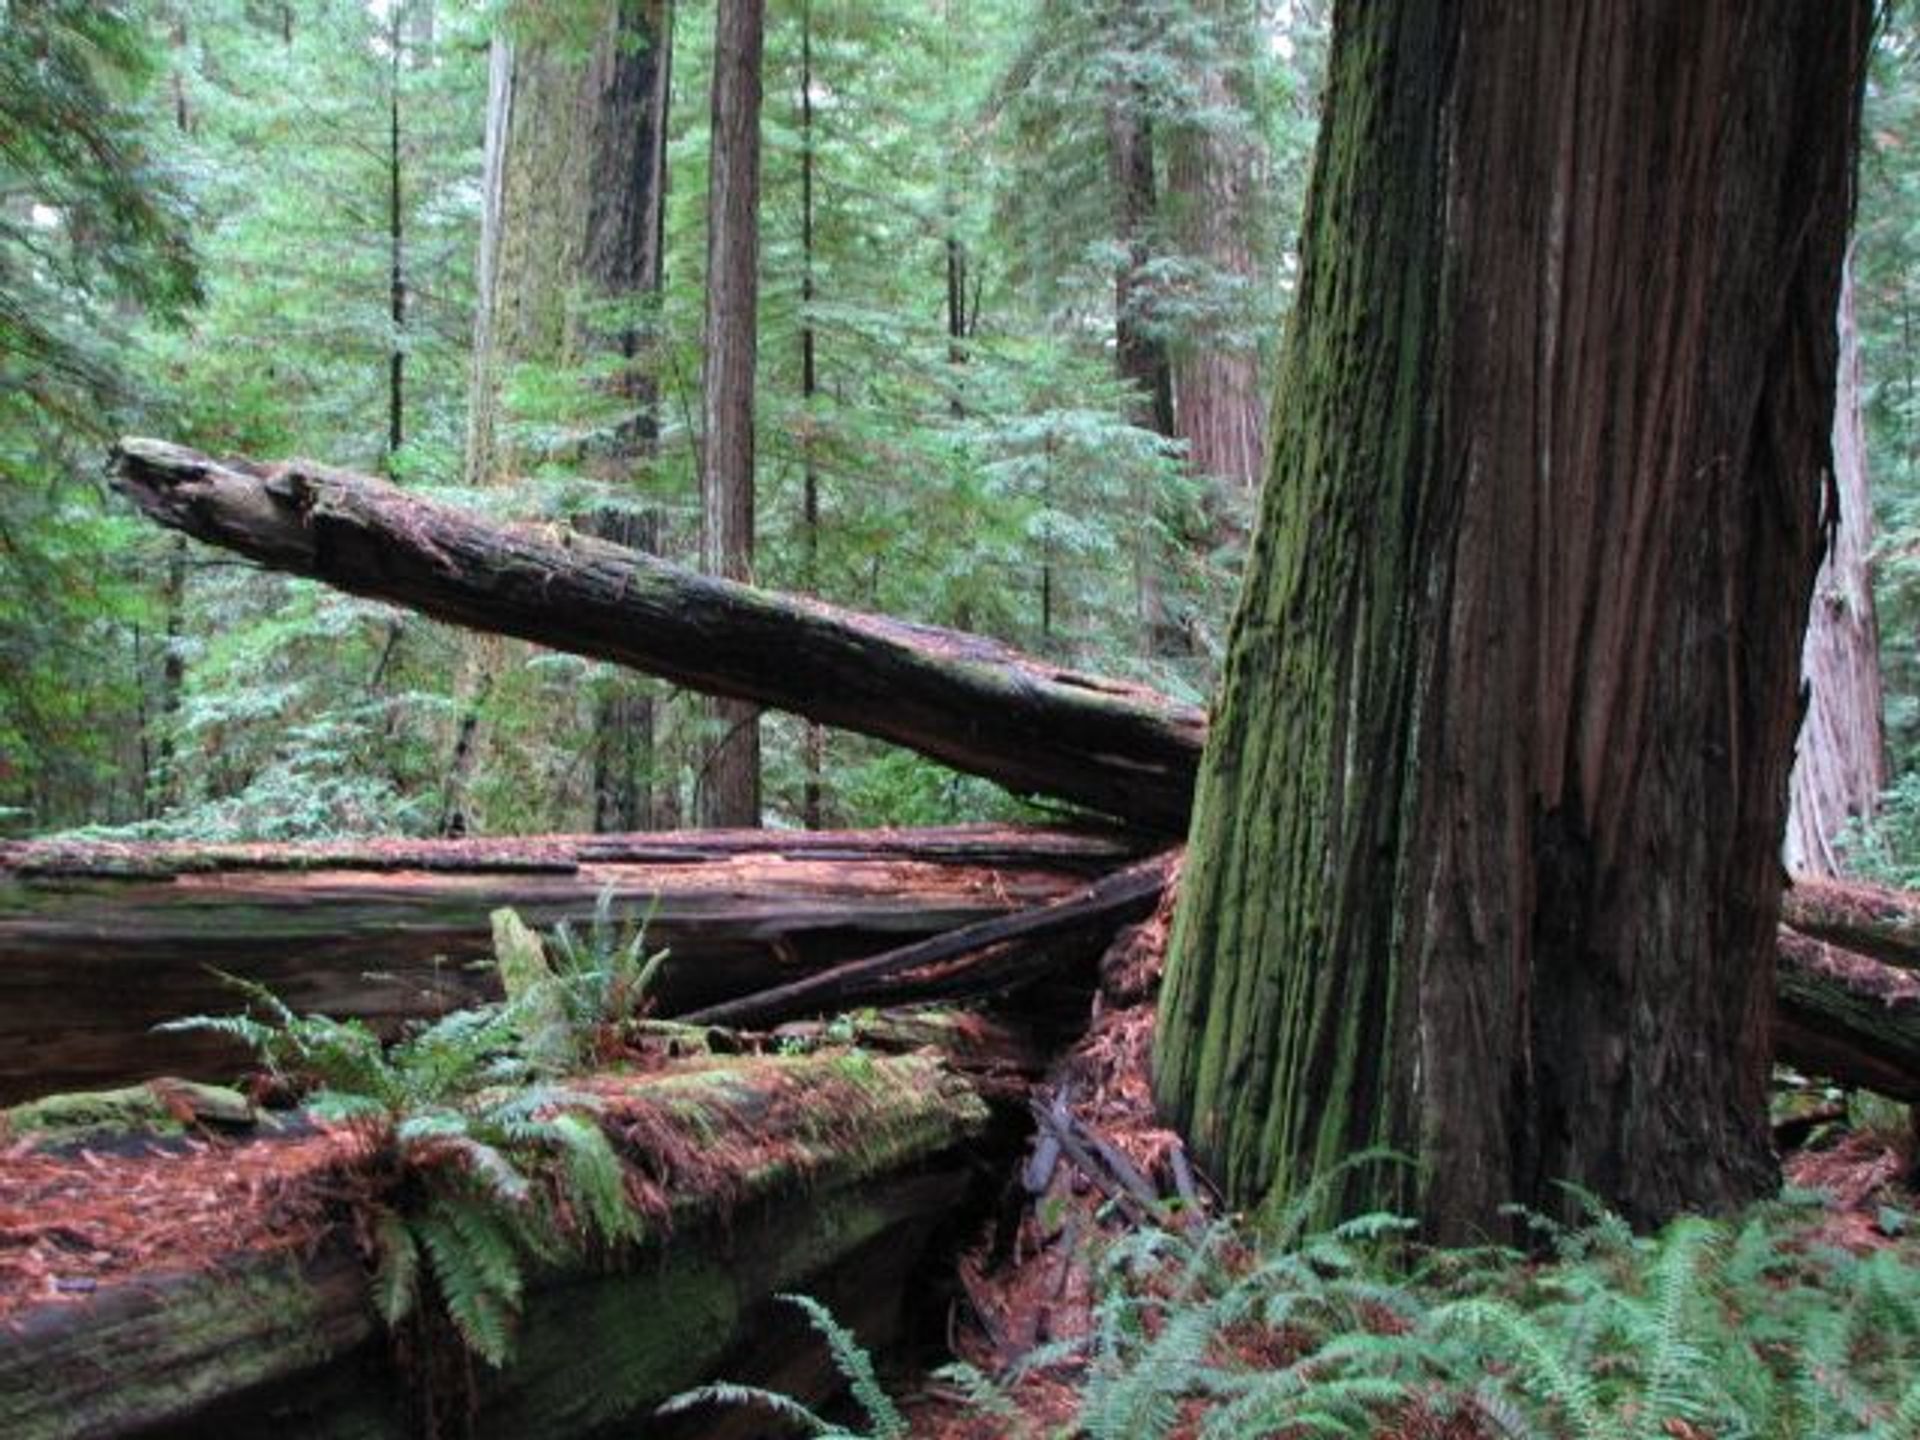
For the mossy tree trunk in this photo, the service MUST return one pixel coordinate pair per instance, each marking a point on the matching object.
(1485, 853)
(569, 247)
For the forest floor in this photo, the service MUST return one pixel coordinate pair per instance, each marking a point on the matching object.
(1041, 1285)
(1029, 1281)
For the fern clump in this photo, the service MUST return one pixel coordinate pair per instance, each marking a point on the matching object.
(1754, 1330)
(485, 1159)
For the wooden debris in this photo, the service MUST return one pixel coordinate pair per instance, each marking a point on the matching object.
(98, 943)
(1091, 914)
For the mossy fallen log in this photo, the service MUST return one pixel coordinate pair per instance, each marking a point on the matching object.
(758, 1175)
(1847, 1017)
(100, 942)
(1872, 920)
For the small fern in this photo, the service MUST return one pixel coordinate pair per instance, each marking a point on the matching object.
(850, 1359)
(489, 1160)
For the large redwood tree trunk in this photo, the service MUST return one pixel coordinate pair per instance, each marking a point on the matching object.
(1485, 855)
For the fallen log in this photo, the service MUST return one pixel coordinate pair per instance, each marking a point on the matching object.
(1872, 920)
(98, 943)
(1847, 1017)
(972, 703)
(1092, 915)
(833, 1179)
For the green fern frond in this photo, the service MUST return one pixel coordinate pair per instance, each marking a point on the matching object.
(1283, 1227)
(466, 1270)
(851, 1359)
(595, 1178)
(396, 1276)
(1676, 1365)
(725, 1393)
(1530, 1348)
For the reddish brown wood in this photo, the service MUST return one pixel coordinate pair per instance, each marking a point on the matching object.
(100, 943)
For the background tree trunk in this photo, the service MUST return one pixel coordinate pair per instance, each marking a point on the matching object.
(729, 782)
(1485, 859)
(628, 85)
(1841, 766)
(1211, 161)
(572, 189)
(1140, 353)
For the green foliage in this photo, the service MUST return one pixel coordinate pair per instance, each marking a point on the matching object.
(850, 1359)
(1753, 1329)
(489, 1159)
(1886, 847)
(578, 992)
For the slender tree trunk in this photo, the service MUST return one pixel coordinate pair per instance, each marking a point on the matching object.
(163, 787)
(396, 260)
(1139, 354)
(162, 781)
(1211, 162)
(729, 784)
(811, 802)
(1841, 766)
(1485, 858)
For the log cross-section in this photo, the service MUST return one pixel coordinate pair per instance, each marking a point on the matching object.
(972, 703)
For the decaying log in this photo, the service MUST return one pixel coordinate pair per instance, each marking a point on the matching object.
(928, 968)
(1872, 920)
(836, 1170)
(972, 703)
(1847, 1017)
(98, 943)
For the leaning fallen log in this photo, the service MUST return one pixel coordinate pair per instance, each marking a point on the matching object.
(100, 942)
(973, 703)
(213, 1292)
(930, 968)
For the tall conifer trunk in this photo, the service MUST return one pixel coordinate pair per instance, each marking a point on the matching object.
(729, 784)
(1841, 764)
(570, 223)
(1211, 163)
(627, 90)
(1485, 862)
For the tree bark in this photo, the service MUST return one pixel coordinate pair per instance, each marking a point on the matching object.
(969, 702)
(1211, 161)
(1841, 766)
(1140, 352)
(729, 782)
(628, 86)
(571, 212)
(1485, 862)
(814, 745)
(99, 943)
